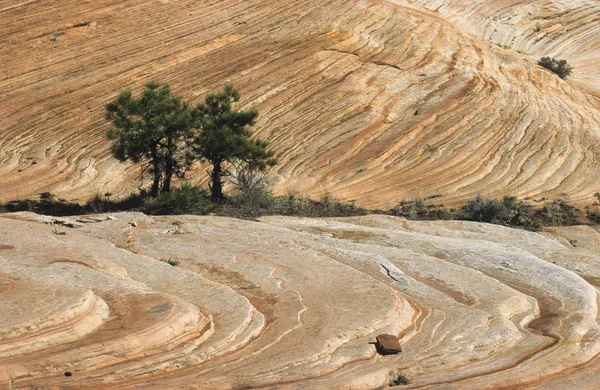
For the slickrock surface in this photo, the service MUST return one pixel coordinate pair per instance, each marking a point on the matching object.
(560, 28)
(295, 303)
(371, 100)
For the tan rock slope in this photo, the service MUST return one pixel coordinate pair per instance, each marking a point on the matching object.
(368, 100)
(295, 303)
(560, 28)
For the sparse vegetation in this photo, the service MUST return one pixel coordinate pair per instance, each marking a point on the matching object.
(253, 205)
(170, 261)
(417, 208)
(48, 204)
(487, 210)
(188, 199)
(509, 212)
(191, 199)
(45, 205)
(515, 213)
(560, 67)
(593, 211)
(558, 213)
(400, 380)
(251, 198)
(104, 204)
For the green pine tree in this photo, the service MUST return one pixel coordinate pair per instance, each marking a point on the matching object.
(153, 129)
(224, 136)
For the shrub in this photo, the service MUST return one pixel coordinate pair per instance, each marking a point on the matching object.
(241, 206)
(509, 211)
(247, 179)
(170, 261)
(558, 213)
(47, 204)
(481, 209)
(417, 209)
(98, 204)
(411, 209)
(521, 214)
(399, 380)
(251, 189)
(560, 67)
(326, 206)
(47, 196)
(50, 205)
(188, 199)
(593, 213)
(249, 205)
(515, 213)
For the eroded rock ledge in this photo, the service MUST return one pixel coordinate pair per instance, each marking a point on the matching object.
(295, 303)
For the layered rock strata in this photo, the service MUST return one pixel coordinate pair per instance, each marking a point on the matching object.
(295, 303)
(367, 100)
(558, 28)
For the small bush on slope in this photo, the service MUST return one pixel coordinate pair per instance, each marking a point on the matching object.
(417, 209)
(482, 209)
(558, 213)
(520, 214)
(560, 67)
(593, 212)
(515, 213)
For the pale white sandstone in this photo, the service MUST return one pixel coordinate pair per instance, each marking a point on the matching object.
(371, 100)
(295, 303)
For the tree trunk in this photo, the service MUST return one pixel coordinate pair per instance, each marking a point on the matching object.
(168, 175)
(157, 174)
(167, 183)
(217, 185)
(155, 183)
(169, 167)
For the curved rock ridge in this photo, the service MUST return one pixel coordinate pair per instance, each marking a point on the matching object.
(295, 303)
(559, 28)
(365, 100)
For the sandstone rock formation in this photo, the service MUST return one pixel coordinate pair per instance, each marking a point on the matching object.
(371, 100)
(565, 29)
(295, 303)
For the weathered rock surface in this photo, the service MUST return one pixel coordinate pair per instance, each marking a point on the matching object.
(295, 303)
(370, 100)
(559, 28)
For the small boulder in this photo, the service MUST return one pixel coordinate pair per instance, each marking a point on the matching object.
(388, 344)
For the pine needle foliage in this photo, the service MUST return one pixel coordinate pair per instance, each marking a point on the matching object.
(224, 136)
(152, 129)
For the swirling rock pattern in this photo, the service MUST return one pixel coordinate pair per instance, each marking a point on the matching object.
(295, 303)
(559, 28)
(368, 100)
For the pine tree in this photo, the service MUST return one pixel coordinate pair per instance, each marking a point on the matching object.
(224, 136)
(152, 129)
